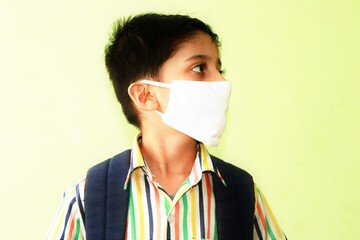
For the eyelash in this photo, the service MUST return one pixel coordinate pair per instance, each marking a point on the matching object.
(202, 67)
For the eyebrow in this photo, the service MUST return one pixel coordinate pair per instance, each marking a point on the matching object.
(203, 57)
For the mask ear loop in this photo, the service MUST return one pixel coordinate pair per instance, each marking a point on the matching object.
(159, 113)
(155, 83)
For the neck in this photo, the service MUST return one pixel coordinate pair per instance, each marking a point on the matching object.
(168, 153)
(170, 158)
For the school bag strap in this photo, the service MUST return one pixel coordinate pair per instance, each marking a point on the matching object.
(235, 203)
(106, 200)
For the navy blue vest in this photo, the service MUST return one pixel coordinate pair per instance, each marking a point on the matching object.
(106, 203)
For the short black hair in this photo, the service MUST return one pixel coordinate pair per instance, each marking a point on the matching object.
(140, 45)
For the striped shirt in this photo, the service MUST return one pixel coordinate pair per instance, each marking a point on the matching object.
(153, 214)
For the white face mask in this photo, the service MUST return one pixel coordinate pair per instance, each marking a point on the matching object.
(197, 109)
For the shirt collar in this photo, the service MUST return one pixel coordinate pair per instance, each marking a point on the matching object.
(203, 157)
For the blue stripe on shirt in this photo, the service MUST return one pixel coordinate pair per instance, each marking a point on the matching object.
(68, 216)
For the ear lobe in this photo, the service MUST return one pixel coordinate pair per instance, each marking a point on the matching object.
(142, 97)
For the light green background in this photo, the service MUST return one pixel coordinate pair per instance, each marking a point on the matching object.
(294, 119)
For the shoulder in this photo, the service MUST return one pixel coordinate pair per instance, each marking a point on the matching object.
(75, 190)
(74, 195)
(70, 212)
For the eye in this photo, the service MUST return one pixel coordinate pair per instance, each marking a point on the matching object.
(199, 68)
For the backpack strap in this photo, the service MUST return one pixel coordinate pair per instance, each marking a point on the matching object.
(106, 201)
(235, 203)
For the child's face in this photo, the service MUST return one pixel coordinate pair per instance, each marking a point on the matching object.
(196, 59)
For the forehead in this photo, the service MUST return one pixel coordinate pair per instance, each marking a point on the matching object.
(198, 44)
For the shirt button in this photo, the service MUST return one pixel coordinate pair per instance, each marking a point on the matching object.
(171, 218)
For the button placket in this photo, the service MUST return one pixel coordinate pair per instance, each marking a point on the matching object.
(171, 218)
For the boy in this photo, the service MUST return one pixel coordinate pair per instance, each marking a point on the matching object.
(167, 75)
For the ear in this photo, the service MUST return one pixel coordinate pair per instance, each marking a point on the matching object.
(142, 96)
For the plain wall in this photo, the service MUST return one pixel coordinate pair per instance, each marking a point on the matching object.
(294, 118)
